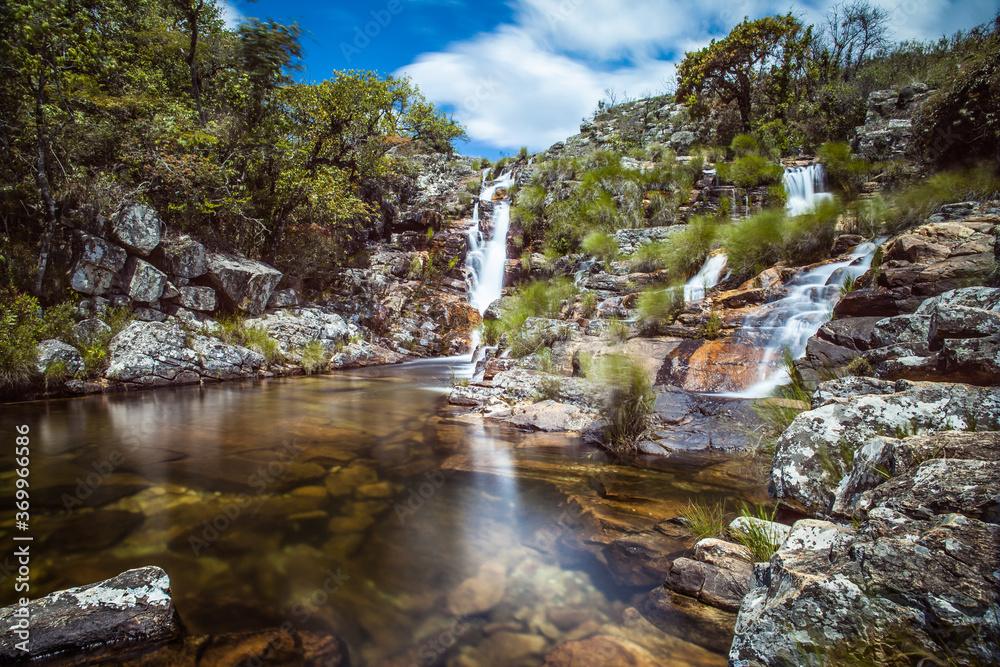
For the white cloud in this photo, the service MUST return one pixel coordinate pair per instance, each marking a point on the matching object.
(231, 16)
(530, 82)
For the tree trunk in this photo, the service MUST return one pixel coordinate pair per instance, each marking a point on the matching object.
(193, 70)
(44, 189)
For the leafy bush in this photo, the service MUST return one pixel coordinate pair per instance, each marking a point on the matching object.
(743, 145)
(682, 254)
(658, 308)
(626, 400)
(754, 243)
(601, 246)
(712, 327)
(19, 328)
(846, 171)
(752, 171)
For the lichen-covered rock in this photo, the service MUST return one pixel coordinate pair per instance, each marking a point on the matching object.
(197, 298)
(811, 455)
(138, 228)
(132, 609)
(719, 574)
(87, 331)
(182, 256)
(90, 279)
(154, 353)
(550, 416)
(885, 458)
(100, 253)
(296, 328)
(897, 584)
(52, 351)
(244, 284)
(283, 298)
(143, 281)
(941, 486)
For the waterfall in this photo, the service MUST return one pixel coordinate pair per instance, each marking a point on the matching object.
(487, 257)
(707, 277)
(806, 186)
(789, 323)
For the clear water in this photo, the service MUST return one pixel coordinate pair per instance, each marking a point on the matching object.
(354, 503)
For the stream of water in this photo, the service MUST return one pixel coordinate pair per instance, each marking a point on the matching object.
(253, 495)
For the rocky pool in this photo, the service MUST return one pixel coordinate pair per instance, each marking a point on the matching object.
(359, 504)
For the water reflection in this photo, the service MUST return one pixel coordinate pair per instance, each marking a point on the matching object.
(348, 504)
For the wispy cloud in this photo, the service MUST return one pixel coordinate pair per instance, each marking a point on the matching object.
(531, 81)
(231, 14)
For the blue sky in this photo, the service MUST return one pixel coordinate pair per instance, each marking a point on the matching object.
(525, 72)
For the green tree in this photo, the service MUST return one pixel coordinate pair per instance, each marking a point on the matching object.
(773, 49)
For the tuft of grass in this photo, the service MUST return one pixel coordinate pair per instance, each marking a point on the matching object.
(707, 519)
(847, 172)
(601, 246)
(491, 331)
(234, 330)
(314, 357)
(617, 331)
(658, 308)
(860, 367)
(915, 204)
(588, 302)
(626, 400)
(848, 286)
(752, 171)
(761, 540)
(536, 299)
(712, 327)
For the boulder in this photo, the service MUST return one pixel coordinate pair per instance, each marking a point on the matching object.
(719, 574)
(941, 486)
(244, 284)
(283, 298)
(550, 416)
(143, 281)
(197, 298)
(895, 587)
(90, 330)
(97, 252)
(90, 279)
(52, 351)
(130, 610)
(154, 353)
(182, 256)
(816, 450)
(138, 228)
(295, 328)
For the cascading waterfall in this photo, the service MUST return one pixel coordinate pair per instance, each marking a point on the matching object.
(707, 277)
(487, 257)
(806, 186)
(789, 323)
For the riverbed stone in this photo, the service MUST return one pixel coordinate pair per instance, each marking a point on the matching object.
(480, 593)
(138, 228)
(143, 281)
(244, 284)
(131, 609)
(52, 351)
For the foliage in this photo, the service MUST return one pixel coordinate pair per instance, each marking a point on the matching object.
(536, 299)
(626, 400)
(860, 367)
(19, 328)
(617, 331)
(913, 205)
(234, 330)
(847, 172)
(658, 308)
(734, 68)
(753, 171)
(682, 254)
(601, 246)
(712, 328)
(315, 357)
(491, 331)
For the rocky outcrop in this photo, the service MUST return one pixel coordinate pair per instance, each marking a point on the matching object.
(182, 256)
(293, 329)
(153, 354)
(244, 284)
(888, 130)
(197, 298)
(134, 608)
(143, 282)
(96, 264)
(138, 228)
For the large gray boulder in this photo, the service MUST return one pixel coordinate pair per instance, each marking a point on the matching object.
(87, 332)
(897, 585)
(816, 451)
(155, 353)
(96, 264)
(138, 228)
(244, 284)
(52, 351)
(182, 256)
(296, 328)
(143, 282)
(198, 298)
(132, 609)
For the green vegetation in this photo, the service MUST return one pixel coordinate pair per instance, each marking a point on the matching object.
(537, 299)
(707, 519)
(491, 331)
(913, 205)
(19, 330)
(847, 172)
(601, 246)
(682, 254)
(233, 329)
(658, 308)
(860, 367)
(626, 400)
(315, 357)
(760, 539)
(712, 328)
(617, 331)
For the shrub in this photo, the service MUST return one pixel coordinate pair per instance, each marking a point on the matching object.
(809, 237)
(846, 171)
(537, 299)
(626, 400)
(617, 331)
(588, 303)
(658, 308)
(315, 358)
(743, 145)
(682, 254)
(860, 367)
(234, 330)
(19, 328)
(915, 204)
(752, 171)
(601, 246)
(754, 243)
(712, 327)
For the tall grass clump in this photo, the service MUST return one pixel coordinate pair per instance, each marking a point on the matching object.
(846, 171)
(760, 539)
(626, 400)
(707, 519)
(754, 171)
(537, 299)
(233, 329)
(315, 357)
(754, 243)
(658, 308)
(680, 255)
(915, 204)
(809, 237)
(601, 246)
(19, 327)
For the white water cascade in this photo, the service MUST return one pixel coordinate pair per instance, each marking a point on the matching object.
(707, 277)
(806, 187)
(789, 323)
(487, 257)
